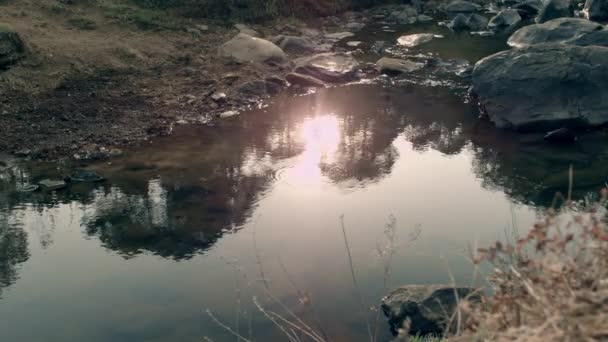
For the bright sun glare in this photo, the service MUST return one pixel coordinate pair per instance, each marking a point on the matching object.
(321, 138)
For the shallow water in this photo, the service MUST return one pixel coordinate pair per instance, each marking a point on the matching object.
(212, 216)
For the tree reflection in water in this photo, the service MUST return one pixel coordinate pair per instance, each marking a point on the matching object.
(176, 197)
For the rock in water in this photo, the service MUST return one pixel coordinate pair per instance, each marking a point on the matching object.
(393, 66)
(561, 136)
(505, 19)
(596, 9)
(304, 80)
(460, 6)
(553, 9)
(477, 22)
(429, 307)
(459, 23)
(544, 86)
(51, 185)
(414, 40)
(528, 8)
(12, 48)
(294, 45)
(554, 31)
(328, 67)
(85, 176)
(339, 35)
(247, 49)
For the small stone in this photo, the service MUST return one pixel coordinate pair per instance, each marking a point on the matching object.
(229, 114)
(304, 80)
(414, 40)
(219, 97)
(354, 43)
(339, 35)
(51, 185)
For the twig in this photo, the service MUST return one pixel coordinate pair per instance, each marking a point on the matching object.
(356, 285)
(227, 328)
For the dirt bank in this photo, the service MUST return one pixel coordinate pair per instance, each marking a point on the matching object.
(99, 77)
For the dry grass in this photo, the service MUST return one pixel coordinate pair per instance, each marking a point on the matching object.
(551, 285)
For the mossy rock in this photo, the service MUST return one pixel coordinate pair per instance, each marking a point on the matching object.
(12, 48)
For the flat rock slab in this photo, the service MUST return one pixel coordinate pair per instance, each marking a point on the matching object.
(50, 184)
(418, 39)
(304, 80)
(328, 67)
(394, 66)
(553, 31)
(247, 49)
(339, 35)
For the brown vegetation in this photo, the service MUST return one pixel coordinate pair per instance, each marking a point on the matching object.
(551, 285)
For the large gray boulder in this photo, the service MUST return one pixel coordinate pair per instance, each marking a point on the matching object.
(428, 307)
(553, 9)
(544, 86)
(12, 48)
(599, 38)
(247, 49)
(554, 31)
(461, 6)
(394, 66)
(505, 19)
(328, 67)
(596, 9)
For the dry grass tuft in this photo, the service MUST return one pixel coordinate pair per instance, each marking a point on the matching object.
(551, 285)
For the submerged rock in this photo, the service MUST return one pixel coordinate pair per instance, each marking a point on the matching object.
(414, 40)
(304, 80)
(29, 188)
(394, 66)
(85, 176)
(12, 48)
(544, 86)
(553, 9)
(505, 19)
(596, 9)
(328, 67)
(561, 136)
(554, 31)
(247, 49)
(428, 307)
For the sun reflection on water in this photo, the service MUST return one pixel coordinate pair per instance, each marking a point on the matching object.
(320, 136)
